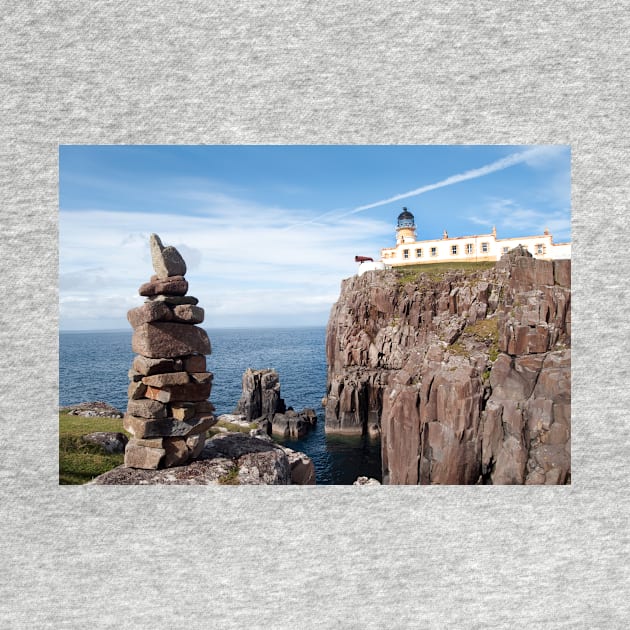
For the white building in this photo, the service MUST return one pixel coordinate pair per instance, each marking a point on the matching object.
(474, 248)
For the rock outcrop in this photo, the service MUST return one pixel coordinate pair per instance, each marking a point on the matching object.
(260, 395)
(168, 411)
(465, 373)
(366, 481)
(226, 459)
(260, 403)
(97, 409)
(109, 441)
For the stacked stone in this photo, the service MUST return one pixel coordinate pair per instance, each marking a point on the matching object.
(168, 411)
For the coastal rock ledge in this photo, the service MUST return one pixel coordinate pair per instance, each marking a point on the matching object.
(465, 373)
(226, 459)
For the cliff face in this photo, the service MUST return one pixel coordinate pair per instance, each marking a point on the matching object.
(466, 374)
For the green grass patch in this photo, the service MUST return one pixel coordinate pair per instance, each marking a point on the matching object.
(485, 331)
(230, 478)
(79, 461)
(435, 271)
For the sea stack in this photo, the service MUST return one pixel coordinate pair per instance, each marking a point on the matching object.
(168, 411)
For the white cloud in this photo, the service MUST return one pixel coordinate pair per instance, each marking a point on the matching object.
(509, 217)
(242, 265)
(546, 156)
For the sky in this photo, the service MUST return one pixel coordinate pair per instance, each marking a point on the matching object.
(269, 232)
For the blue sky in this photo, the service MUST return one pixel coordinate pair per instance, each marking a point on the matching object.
(269, 232)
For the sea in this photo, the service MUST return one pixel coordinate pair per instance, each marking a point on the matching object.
(94, 365)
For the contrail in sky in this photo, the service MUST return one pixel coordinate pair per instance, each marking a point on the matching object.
(499, 165)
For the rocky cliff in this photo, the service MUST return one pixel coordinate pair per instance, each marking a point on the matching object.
(466, 374)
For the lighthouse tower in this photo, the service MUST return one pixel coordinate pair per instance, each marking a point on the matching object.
(406, 228)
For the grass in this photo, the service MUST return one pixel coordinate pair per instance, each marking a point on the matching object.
(79, 461)
(435, 271)
(230, 478)
(483, 330)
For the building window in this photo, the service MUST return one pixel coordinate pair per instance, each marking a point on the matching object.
(540, 248)
(418, 253)
(484, 248)
(506, 250)
(405, 253)
(454, 250)
(434, 251)
(469, 248)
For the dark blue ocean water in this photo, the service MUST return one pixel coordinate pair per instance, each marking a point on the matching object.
(94, 365)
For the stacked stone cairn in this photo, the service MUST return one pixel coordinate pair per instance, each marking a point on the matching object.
(168, 411)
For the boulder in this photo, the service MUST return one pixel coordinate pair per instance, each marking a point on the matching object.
(146, 408)
(146, 366)
(268, 468)
(97, 409)
(176, 285)
(169, 340)
(166, 427)
(302, 469)
(234, 418)
(194, 363)
(289, 426)
(189, 392)
(202, 377)
(183, 410)
(109, 441)
(203, 407)
(174, 300)
(136, 390)
(195, 444)
(175, 451)
(366, 481)
(166, 378)
(145, 457)
(149, 312)
(167, 261)
(188, 313)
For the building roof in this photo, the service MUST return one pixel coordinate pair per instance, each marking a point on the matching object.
(405, 215)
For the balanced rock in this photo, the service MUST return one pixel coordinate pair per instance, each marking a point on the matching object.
(149, 312)
(179, 393)
(168, 340)
(146, 366)
(175, 285)
(168, 411)
(174, 299)
(138, 456)
(188, 313)
(167, 261)
(166, 427)
(168, 378)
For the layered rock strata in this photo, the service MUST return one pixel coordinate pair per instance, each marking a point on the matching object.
(260, 403)
(168, 411)
(466, 374)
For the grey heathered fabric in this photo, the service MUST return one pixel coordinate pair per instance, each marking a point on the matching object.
(302, 72)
